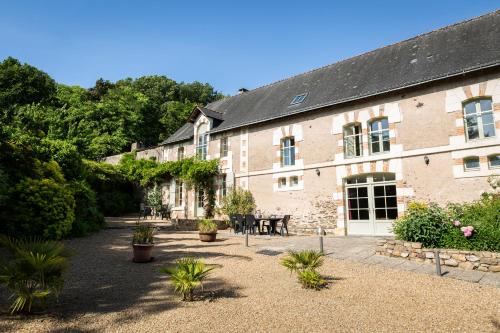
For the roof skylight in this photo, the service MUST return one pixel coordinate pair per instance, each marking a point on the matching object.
(298, 99)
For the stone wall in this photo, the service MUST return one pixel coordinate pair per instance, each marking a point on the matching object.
(192, 224)
(323, 214)
(469, 260)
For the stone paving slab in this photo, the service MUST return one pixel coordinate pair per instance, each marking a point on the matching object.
(362, 249)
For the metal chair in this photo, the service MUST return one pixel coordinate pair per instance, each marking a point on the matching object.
(250, 223)
(284, 225)
(239, 223)
(165, 212)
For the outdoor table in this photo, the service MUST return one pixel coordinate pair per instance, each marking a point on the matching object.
(273, 220)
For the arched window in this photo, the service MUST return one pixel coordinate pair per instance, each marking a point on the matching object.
(353, 146)
(288, 151)
(478, 119)
(202, 142)
(379, 136)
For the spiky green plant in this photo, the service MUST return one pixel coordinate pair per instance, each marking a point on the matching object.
(207, 226)
(34, 272)
(311, 279)
(143, 234)
(298, 261)
(187, 275)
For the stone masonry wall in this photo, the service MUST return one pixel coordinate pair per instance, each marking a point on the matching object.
(469, 260)
(323, 214)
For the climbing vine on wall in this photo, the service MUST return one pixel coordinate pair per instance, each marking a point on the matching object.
(194, 172)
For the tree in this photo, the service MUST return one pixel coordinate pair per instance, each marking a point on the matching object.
(22, 84)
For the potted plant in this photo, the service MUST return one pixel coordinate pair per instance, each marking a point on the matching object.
(142, 242)
(208, 230)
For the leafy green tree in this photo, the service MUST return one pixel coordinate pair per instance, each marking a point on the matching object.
(22, 84)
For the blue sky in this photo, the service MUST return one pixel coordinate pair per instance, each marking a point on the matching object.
(230, 44)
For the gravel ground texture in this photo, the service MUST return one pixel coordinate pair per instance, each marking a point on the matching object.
(249, 292)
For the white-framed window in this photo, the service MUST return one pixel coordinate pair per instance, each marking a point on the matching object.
(180, 153)
(281, 182)
(223, 185)
(223, 146)
(353, 145)
(288, 151)
(471, 163)
(494, 161)
(179, 191)
(294, 181)
(478, 119)
(379, 136)
(202, 142)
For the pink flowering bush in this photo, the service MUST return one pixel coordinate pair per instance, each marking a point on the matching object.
(467, 230)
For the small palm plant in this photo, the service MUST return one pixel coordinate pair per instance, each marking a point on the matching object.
(305, 263)
(298, 261)
(35, 271)
(187, 275)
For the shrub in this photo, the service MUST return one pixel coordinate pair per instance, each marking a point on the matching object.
(35, 272)
(422, 223)
(237, 201)
(188, 275)
(41, 207)
(311, 279)
(116, 202)
(88, 218)
(207, 226)
(154, 198)
(446, 227)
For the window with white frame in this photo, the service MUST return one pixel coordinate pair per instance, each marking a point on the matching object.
(494, 161)
(478, 119)
(471, 163)
(379, 136)
(288, 151)
(179, 191)
(294, 181)
(281, 182)
(223, 186)
(223, 147)
(353, 146)
(202, 142)
(180, 153)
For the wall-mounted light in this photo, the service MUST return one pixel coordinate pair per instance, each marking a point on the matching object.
(426, 160)
(318, 172)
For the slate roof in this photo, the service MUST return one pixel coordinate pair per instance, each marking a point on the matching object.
(453, 50)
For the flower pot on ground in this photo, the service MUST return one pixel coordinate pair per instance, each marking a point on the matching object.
(142, 243)
(207, 230)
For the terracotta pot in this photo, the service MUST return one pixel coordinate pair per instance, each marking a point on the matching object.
(142, 252)
(208, 237)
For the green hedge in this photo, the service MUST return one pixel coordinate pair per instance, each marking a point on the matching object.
(435, 226)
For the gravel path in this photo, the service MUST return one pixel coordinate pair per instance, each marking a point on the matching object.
(251, 292)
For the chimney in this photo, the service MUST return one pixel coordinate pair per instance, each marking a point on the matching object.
(242, 91)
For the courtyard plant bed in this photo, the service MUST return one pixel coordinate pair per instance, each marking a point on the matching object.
(207, 230)
(142, 243)
(470, 260)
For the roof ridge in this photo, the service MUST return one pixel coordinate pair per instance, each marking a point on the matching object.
(364, 53)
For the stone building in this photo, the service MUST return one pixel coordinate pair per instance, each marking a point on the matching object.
(346, 146)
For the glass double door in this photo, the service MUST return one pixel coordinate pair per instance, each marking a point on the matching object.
(371, 204)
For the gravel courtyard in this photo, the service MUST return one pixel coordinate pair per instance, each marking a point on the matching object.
(250, 292)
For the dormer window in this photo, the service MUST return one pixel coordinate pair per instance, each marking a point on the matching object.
(202, 142)
(298, 99)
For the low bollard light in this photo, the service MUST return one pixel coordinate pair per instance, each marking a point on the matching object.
(438, 263)
(246, 238)
(320, 232)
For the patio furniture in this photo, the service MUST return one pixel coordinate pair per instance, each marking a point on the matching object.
(271, 225)
(251, 223)
(165, 212)
(145, 211)
(236, 221)
(284, 225)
